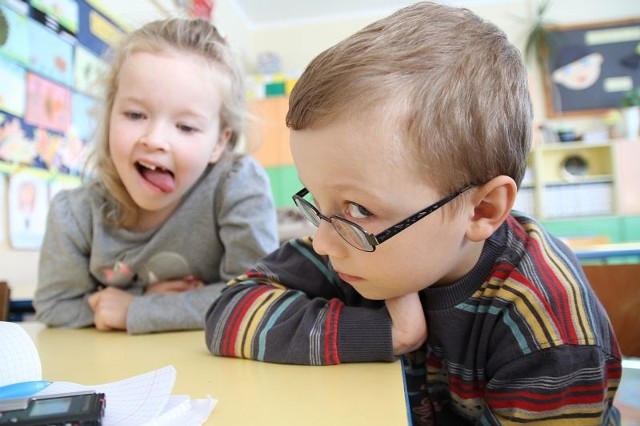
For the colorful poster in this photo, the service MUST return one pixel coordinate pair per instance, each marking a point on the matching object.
(3, 196)
(51, 55)
(104, 30)
(48, 104)
(15, 145)
(28, 206)
(16, 47)
(13, 89)
(88, 70)
(85, 115)
(63, 11)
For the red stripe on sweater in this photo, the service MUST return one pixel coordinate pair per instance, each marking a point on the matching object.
(331, 332)
(232, 328)
(526, 400)
(558, 292)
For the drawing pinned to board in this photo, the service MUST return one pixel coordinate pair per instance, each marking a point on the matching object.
(28, 205)
(48, 104)
(13, 88)
(15, 146)
(592, 66)
(577, 68)
(51, 55)
(3, 196)
(16, 44)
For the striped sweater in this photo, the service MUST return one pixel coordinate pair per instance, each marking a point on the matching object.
(521, 338)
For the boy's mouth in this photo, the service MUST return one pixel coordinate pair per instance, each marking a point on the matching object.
(161, 178)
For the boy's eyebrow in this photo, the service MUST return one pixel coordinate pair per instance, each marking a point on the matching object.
(362, 192)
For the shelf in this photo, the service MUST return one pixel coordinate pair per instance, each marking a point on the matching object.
(580, 181)
(572, 179)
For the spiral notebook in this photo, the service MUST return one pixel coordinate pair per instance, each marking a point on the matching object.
(139, 400)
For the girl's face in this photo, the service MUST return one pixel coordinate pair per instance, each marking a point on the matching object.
(165, 128)
(351, 168)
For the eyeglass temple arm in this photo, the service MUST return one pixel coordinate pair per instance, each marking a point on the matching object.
(390, 232)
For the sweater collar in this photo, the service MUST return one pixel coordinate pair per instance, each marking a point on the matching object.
(448, 296)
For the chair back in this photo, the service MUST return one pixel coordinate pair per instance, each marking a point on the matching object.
(618, 288)
(4, 301)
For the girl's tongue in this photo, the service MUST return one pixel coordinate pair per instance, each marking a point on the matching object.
(161, 178)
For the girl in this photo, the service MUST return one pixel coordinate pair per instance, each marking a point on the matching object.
(172, 212)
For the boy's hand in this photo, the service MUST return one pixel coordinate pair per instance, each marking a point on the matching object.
(110, 308)
(408, 323)
(175, 286)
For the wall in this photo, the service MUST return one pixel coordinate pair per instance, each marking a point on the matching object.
(511, 16)
(48, 107)
(298, 43)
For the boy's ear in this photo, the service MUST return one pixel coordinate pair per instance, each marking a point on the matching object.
(492, 204)
(223, 140)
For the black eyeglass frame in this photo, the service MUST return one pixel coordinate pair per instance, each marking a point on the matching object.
(377, 239)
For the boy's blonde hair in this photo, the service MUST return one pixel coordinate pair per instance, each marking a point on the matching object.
(454, 86)
(195, 36)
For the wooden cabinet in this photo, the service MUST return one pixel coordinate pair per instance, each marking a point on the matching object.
(268, 135)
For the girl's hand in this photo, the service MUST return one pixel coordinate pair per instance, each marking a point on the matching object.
(408, 323)
(175, 286)
(110, 308)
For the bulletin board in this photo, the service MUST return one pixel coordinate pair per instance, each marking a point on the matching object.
(591, 66)
(51, 56)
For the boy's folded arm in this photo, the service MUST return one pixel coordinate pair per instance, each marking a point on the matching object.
(292, 309)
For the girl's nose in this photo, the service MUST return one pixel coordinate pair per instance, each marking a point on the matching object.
(155, 138)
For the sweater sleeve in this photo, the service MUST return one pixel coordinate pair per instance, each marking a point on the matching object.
(64, 281)
(245, 220)
(291, 308)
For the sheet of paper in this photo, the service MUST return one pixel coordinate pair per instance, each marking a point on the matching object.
(142, 400)
(132, 401)
(19, 359)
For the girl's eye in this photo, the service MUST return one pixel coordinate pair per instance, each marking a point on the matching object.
(186, 129)
(356, 211)
(133, 115)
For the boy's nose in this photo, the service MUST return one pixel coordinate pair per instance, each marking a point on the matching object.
(327, 241)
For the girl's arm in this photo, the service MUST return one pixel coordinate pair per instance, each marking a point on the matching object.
(64, 282)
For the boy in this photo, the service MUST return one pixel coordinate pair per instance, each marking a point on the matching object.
(428, 107)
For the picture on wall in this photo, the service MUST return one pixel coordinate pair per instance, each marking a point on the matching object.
(28, 205)
(591, 66)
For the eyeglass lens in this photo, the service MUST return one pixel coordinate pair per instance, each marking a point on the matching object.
(348, 231)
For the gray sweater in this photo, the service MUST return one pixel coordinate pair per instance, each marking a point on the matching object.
(221, 228)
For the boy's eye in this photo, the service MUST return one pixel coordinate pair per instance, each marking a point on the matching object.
(356, 211)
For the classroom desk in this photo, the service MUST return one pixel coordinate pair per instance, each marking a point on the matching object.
(605, 251)
(248, 392)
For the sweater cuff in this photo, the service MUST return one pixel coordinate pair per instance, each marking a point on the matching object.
(364, 335)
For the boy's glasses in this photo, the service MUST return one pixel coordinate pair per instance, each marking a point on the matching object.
(353, 233)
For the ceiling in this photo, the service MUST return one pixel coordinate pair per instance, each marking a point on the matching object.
(267, 13)
(260, 13)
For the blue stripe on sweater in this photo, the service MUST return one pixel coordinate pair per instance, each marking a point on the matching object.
(506, 318)
(272, 319)
(313, 258)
